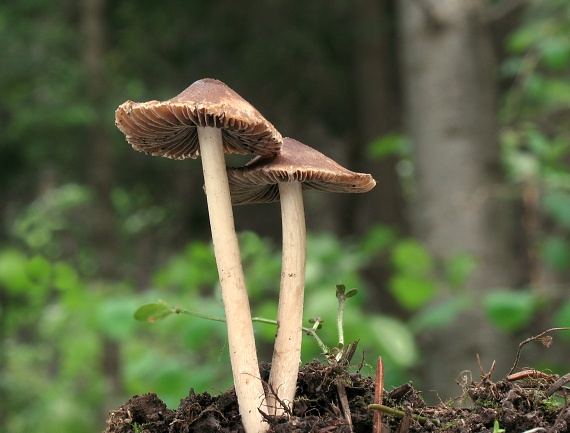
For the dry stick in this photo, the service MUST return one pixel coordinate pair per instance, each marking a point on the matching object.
(524, 374)
(378, 394)
(341, 389)
(241, 341)
(558, 384)
(282, 404)
(287, 349)
(528, 340)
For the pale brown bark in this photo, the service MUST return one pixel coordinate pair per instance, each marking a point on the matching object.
(451, 100)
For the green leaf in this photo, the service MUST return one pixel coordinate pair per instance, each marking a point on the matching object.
(65, 277)
(152, 312)
(190, 270)
(411, 256)
(439, 316)
(411, 292)
(13, 273)
(115, 319)
(38, 269)
(350, 293)
(340, 288)
(509, 310)
(557, 205)
(387, 145)
(562, 316)
(377, 239)
(458, 268)
(394, 340)
(522, 39)
(555, 52)
(496, 428)
(556, 253)
(537, 142)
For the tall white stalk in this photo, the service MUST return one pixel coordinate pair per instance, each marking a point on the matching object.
(241, 341)
(287, 349)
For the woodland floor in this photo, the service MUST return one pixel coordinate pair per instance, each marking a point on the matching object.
(331, 399)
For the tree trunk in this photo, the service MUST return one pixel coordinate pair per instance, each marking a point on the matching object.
(451, 113)
(101, 177)
(377, 113)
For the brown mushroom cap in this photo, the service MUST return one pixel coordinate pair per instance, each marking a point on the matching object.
(168, 128)
(257, 181)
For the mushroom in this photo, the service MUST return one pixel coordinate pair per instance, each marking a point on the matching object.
(208, 119)
(283, 177)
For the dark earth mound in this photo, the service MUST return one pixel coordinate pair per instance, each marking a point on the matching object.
(331, 399)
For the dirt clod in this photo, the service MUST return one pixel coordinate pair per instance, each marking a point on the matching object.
(516, 405)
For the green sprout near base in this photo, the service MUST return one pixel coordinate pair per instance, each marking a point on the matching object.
(157, 311)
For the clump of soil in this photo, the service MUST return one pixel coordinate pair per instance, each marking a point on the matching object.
(332, 399)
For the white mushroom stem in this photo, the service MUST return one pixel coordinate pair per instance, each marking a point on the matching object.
(287, 349)
(241, 341)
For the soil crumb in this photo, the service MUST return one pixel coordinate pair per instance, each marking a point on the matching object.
(525, 401)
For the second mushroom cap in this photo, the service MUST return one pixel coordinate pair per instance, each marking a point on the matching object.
(257, 181)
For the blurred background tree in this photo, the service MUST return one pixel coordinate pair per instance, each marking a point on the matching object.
(458, 109)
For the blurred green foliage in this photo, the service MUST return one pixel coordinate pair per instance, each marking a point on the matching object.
(60, 320)
(536, 155)
(71, 321)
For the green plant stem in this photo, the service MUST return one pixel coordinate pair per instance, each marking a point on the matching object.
(340, 326)
(313, 333)
(310, 331)
(396, 412)
(179, 310)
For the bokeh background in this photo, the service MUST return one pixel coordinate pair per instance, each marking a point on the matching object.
(459, 109)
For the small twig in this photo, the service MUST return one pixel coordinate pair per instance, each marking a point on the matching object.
(341, 389)
(400, 414)
(348, 352)
(378, 395)
(535, 374)
(558, 384)
(547, 341)
(483, 374)
(273, 392)
(405, 424)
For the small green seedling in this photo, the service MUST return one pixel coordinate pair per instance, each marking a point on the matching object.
(157, 311)
(342, 295)
(497, 429)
